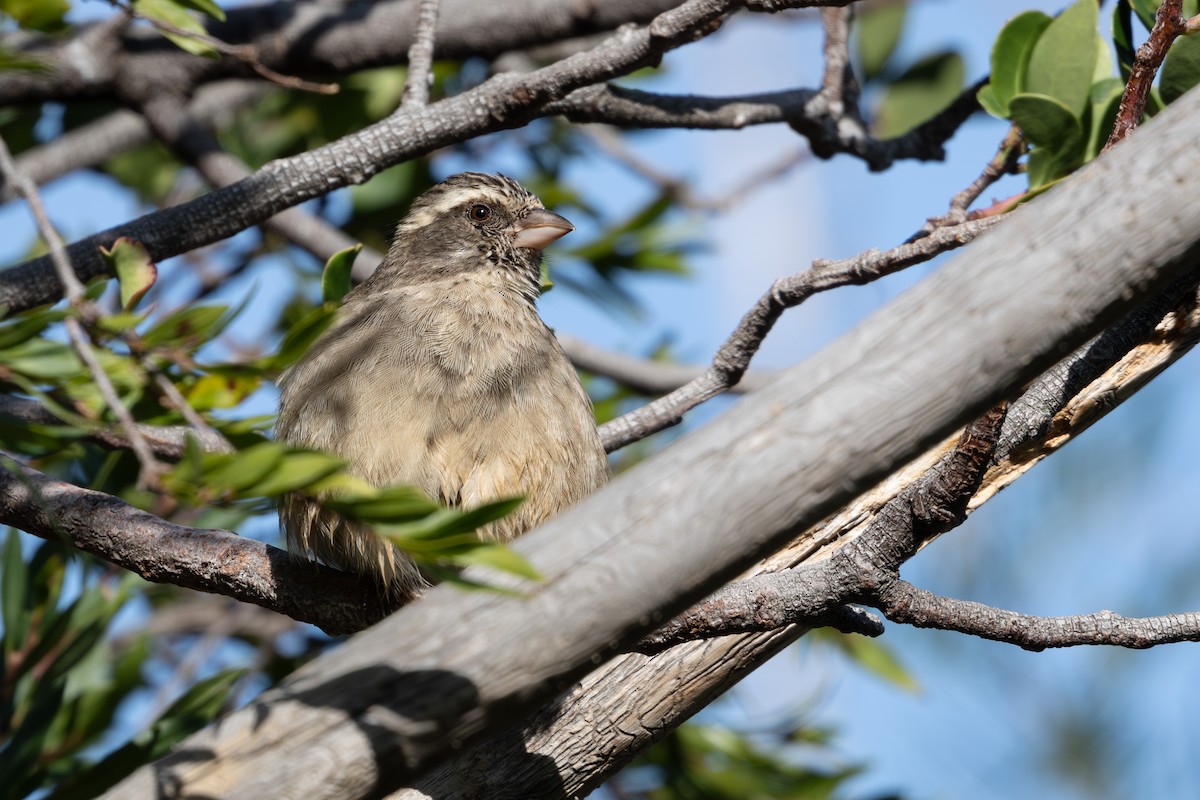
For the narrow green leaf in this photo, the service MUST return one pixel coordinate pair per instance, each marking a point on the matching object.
(189, 326)
(1064, 58)
(1010, 56)
(15, 593)
(497, 556)
(134, 268)
(205, 7)
(300, 337)
(296, 470)
(175, 14)
(244, 468)
(335, 280)
(397, 504)
(25, 326)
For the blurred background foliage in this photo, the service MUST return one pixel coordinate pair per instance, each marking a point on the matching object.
(101, 672)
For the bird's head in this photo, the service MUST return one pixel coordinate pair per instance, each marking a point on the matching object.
(471, 222)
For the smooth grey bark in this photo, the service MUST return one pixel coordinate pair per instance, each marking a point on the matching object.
(403, 696)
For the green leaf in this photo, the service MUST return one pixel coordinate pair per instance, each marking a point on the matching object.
(498, 557)
(1145, 10)
(205, 7)
(134, 268)
(221, 391)
(175, 14)
(873, 656)
(987, 98)
(1104, 102)
(1010, 57)
(198, 707)
(42, 359)
(300, 337)
(1181, 70)
(188, 327)
(1064, 58)
(295, 471)
(15, 594)
(335, 280)
(39, 15)
(395, 504)
(24, 327)
(1057, 135)
(877, 32)
(924, 89)
(1045, 121)
(244, 468)
(1122, 36)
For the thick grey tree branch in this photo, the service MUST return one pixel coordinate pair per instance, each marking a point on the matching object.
(399, 697)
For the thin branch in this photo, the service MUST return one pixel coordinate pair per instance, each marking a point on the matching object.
(1169, 25)
(1003, 163)
(148, 473)
(420, 56)
(732, 360)
(247, 54)
(805, 110)
(121, 131)
(645, 375)
(166, 441)
(921, 608)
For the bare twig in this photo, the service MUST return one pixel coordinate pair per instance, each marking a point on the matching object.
(166, 441)
(1003, 163)
(420, 56)
(96, 142)
(921, 608)
(732, 360)
(245, 53)
(1169, 25)
(644, 375)
(73, 288)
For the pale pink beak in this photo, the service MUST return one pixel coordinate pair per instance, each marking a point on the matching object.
(539, 228)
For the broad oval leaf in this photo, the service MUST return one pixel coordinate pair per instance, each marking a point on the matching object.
(925, 88)
(1010, 56)
(1064, 59)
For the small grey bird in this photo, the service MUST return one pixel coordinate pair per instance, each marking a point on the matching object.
(439, 373)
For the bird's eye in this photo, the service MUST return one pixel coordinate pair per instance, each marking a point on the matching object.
(479, 212)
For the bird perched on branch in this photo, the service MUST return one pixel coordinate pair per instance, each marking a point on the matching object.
(439, 373)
